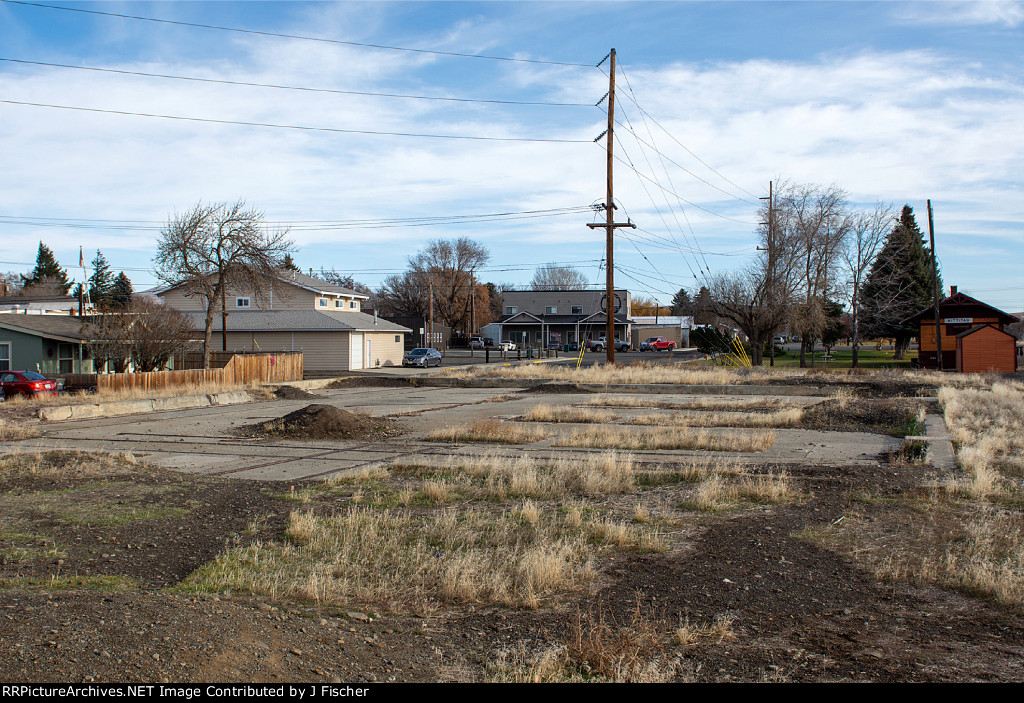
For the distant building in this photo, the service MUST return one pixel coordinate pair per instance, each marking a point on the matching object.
(675, 328)
(974, 338)
(558, 317)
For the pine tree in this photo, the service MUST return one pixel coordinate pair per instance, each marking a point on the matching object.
(101, 282)
(682, 304)
(121, 293)
(47, 273)
(288, 264)
(899, 284)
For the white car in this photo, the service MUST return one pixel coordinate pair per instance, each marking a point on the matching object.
(506, 345)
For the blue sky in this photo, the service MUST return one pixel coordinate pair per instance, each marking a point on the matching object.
(893, 102)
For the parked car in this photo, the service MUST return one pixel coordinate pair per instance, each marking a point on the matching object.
(780, 340)
(476, 342)
(507, 345)
(601, 344)
(488, 342)
(422, 356)
(27, 383)
(657, 344)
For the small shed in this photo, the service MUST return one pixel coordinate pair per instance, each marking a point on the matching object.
(985, 348)
(959, 314)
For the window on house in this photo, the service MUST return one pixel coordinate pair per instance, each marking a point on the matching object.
(241, 302)
(353, 305)
(323, 302)
(337, 303)
(511, 310)
(577, 309)
(551, 310)
(5, 356)
(398, 339)
(65, 358)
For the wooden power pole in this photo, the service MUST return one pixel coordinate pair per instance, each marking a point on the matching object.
(610, 224)
(935, 291)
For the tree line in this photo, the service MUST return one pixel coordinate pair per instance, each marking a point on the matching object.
(823, 270)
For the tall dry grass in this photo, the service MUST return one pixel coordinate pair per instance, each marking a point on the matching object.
(644, 372)
(109, 396)
(489, 430)
(406, 561)
(561, 413)
(718, 492)
(13, 431)
(781, 418)
(988, 426)
(697, 403)
(667, 438)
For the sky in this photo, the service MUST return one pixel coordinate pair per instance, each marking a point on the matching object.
(355, 152)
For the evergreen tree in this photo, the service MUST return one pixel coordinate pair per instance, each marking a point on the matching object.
(682, 304)
(47, 273)
(101, 282)
(899, 284)
(704, 308)
(288, 264)
(121, 293)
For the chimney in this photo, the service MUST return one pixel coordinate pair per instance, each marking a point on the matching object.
(952, 291)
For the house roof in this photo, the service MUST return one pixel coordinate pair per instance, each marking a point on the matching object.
(978, 328)
(297, 321)
(960, 300)
(296, 278)
(63, 328)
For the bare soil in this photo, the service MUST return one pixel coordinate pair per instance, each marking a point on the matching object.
(324, 422)
(801, 613)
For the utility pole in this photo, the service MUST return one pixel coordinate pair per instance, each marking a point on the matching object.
(430, 334)
(770, 273)
(935, 290)
(610, 224)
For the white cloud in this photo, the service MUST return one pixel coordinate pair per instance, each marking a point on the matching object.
(1008, 13)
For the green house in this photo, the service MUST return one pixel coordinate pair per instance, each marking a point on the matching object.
(50, 344)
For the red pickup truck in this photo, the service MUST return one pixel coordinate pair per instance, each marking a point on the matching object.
(657, 344)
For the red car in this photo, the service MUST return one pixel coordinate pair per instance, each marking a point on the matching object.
(657, 344)
(28, 383)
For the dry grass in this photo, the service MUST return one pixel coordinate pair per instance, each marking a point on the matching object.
(489, 430)
(558, 413)
(682, 373)
(697, 403)
(498, 477)
(719, 630)
(717, 492)
(12, 431)
(406, 561)
(977, 549)
(668, 438)
(65, 465)
(782, 418)
(988, 426)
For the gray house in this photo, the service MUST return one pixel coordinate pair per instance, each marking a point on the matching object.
(50, 344)
(558, 317)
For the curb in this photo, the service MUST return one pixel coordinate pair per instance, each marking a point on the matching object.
(133, 407)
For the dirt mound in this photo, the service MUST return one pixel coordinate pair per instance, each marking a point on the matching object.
(555, 388)
(293, 393)
(370, 382)
(325, 422)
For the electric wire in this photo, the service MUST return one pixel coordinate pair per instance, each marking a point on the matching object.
(333, 130)
(279, 35)
(296, 88)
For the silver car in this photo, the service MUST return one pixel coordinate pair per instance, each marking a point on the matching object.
(422, 356)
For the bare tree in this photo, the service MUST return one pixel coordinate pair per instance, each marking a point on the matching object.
(449, 266)
(867, 234)
(211, 247)
(558, 277)
(157, 333)
(813, 223)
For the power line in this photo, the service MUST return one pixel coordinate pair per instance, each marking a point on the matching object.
(291, 87)
(335, 130)
(302, 225)
(279, 35)
(632, 99)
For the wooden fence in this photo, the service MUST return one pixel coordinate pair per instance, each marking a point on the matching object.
(238, 369)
